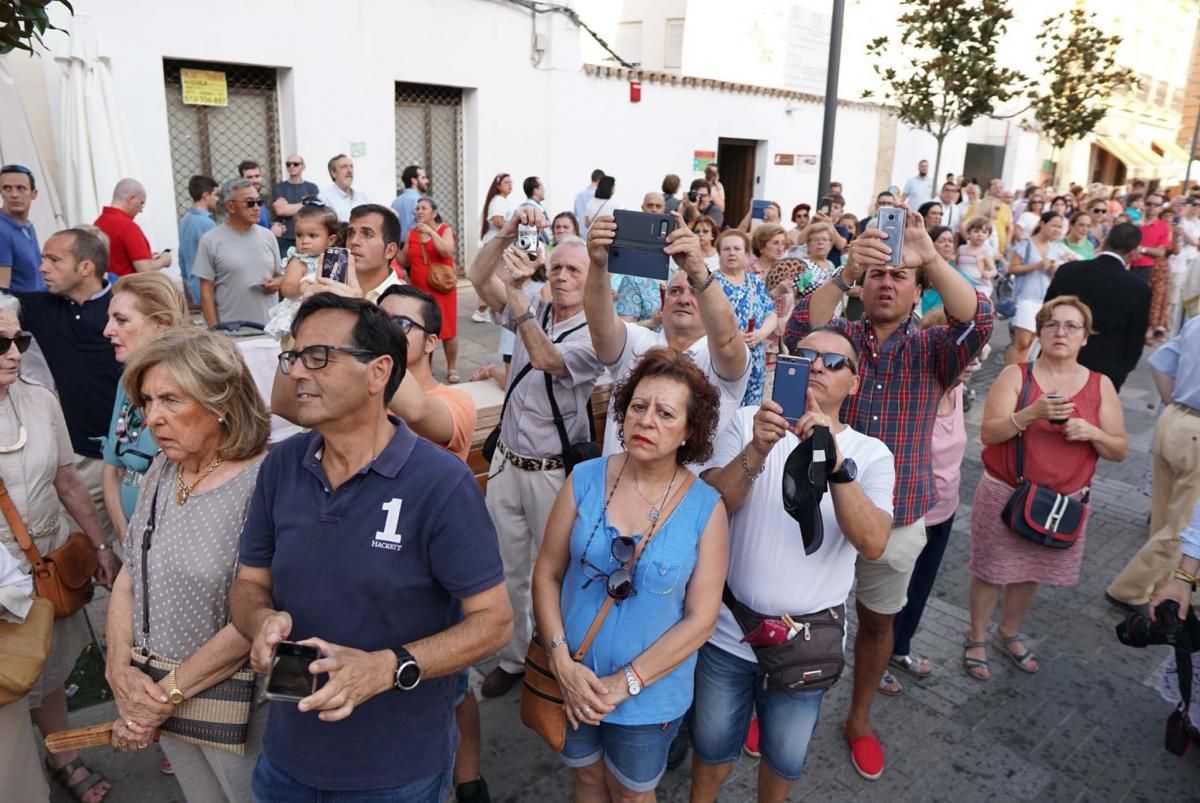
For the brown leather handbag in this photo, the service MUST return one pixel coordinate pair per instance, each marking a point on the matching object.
(24, 649)
(65, 575)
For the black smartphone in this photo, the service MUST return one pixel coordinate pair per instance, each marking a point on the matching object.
(604, 187)
(791, 386)
(637, 248)
(335, 264)
(826, 205)
(288, 677)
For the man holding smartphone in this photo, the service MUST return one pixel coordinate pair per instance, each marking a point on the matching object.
(363, 540)
(904, 372)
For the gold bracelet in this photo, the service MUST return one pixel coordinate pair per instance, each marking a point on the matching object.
(1190, 579)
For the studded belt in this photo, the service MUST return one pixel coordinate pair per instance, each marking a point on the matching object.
(529, 463)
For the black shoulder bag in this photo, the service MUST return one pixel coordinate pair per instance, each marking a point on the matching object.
(573, 453)
(1038, 513)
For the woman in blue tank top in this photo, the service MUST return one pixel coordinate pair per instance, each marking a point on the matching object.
(637, 538)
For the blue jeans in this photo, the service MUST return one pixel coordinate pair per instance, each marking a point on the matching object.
(636, 755)
(728, 689)
(270, 784)
(921, 584)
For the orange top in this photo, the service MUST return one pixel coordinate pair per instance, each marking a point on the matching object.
(463, 413)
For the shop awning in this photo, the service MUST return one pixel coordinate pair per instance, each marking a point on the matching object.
(1172, 152)
(1139, 160)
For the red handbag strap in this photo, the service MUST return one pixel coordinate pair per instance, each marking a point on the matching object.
(18, 528)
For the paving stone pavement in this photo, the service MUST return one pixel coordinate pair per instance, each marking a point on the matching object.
(1087, 727)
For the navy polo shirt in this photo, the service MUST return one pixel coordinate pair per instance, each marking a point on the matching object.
(81, 360)
(377, 563)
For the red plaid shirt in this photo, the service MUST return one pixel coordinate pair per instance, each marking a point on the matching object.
(900, 383)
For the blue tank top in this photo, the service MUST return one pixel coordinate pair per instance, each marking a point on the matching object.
(660, 581)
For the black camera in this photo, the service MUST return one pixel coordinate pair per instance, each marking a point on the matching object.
(693, 196)
(1165, 628)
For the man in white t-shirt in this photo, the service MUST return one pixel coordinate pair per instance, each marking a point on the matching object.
(696, 319)
(770, 572)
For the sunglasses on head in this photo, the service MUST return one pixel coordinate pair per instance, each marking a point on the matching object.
(831, 359)
(22, 339)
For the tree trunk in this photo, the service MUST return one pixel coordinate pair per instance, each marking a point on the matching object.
(937, 163)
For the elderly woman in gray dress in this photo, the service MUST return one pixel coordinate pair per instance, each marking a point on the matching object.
(201, 404)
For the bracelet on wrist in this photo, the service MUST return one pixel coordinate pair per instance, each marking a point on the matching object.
(752, 475)
(1013, 417)
(1190, 579)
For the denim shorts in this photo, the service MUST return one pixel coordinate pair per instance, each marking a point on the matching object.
(636, 755)
(728, 689)
(270, 784)
(462, 686)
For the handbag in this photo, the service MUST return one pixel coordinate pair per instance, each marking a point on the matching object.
(1038, 513)
(24, 647)
(489, 444)
(217, 717)
(811, 657)
(65, 575)
(573, 453)
(542, 698)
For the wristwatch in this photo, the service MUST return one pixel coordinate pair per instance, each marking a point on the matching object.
(836, 278)
(526, 316)
(631, 681)
(173, 692)
(847, 473)
(408, 672)
(700, 288)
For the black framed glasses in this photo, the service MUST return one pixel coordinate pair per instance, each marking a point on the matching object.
(253, 202)
(618, 583)
(22, 339)
(831, 359)
(314, 358)
(406, 324)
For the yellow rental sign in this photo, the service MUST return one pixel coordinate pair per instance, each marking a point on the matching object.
(204, 87)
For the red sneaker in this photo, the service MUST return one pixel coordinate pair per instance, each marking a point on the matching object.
(866, 753)
(751, 744)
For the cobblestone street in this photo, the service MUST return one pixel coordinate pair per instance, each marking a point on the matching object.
(1087, 727)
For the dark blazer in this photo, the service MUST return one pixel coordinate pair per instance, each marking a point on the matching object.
(1120, 304)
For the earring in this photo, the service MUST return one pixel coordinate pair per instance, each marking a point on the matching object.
(220, 420)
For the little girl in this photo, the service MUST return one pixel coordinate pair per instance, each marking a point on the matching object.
(317, 228)
(976, 259)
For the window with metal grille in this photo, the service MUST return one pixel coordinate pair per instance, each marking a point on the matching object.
(429, 134)
(212, 140)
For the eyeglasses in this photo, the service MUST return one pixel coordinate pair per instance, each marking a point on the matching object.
(831, 359)
(22, 339)
(1099, 210)
(618, 583)
(253, 202)
(294, 164)
(315, 358)
(1070, 327)
(406, 324)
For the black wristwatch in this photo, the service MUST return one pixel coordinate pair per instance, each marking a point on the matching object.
(847, 473)
(408, 672)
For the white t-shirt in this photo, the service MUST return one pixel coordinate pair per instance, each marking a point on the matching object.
(499, 207)
(768, 569)
(597, 207)
(639, 340)
(1181, 263)
(1028, 221)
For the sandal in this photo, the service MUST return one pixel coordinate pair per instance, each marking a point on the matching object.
(972, 665)
(918, 667)
(79, 789)
(453, 378)
(1020, 661)
(889, 685)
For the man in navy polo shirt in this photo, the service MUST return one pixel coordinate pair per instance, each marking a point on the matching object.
(360, 539)
(19, 255)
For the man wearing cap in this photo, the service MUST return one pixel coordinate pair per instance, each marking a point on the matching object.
(19, 253)
(777, 569)
(903, 373)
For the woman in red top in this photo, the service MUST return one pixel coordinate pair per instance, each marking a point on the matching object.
(1151, 264)
(431, 242)
(1059, 456)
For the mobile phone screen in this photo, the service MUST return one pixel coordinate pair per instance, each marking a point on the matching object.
(288, 677)
(791, 386)
(335, 264)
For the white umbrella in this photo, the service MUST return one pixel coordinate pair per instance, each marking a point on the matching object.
(19, 146)
(93, 154)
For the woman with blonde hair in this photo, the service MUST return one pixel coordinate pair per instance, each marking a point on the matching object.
(143, 306)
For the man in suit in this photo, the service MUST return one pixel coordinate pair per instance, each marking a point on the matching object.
(1120, 303)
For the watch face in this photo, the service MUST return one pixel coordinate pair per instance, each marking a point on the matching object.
(408, 675)
(176, 697)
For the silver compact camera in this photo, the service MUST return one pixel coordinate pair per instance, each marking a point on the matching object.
(527, 240)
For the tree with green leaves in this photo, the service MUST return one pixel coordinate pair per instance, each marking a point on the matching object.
(944, 73)
(22, 23)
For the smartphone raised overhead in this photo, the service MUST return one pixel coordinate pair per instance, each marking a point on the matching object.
(637, 248)
(288, 677)
(891, 219)
(791, 386)
(335, 264)
(758, 211)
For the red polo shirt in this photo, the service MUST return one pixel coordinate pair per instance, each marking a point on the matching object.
(1156, 234)
(126, 240)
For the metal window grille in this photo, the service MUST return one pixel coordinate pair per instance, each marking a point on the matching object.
(212, 140)
(429, 133)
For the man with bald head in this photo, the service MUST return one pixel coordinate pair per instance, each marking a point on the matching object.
(128, 249)
(287, 198)
(654, 203)
(638, 299)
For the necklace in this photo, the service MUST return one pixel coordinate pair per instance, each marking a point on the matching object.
(656, 510)
(183, 490)
(20, 444)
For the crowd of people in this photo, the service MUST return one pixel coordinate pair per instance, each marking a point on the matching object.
(679, 582)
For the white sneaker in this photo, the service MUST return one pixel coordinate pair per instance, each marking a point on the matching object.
(481, 317)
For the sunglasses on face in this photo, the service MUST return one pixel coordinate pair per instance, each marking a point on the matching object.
(294, 164)
(830, 359)
(314, 358)
(253, 202)
(619, 583)
(22, 339)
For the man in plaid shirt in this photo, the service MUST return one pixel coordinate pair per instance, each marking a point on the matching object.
(904, 371)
